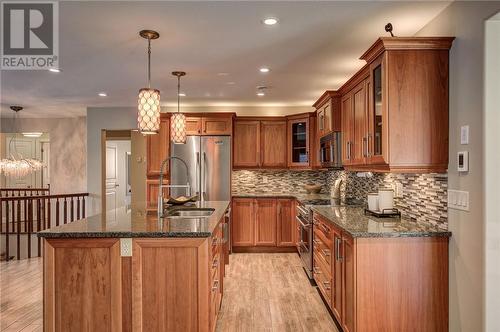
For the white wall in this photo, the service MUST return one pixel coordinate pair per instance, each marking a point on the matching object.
(465, 21)
(116, 118)
(492, 175)
(68, 152)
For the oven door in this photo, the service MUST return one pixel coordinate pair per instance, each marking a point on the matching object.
(305, 244)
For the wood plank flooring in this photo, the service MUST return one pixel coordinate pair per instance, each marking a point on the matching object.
(262, 292)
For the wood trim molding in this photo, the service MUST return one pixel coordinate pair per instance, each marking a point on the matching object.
(406, 43)
(328, 94)
(359, 77)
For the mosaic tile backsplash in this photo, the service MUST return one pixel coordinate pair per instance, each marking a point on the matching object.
(424, 195)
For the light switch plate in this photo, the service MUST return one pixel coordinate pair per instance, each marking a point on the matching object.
(458, 200)
(126, 247)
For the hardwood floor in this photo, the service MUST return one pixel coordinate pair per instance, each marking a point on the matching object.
(262, 292)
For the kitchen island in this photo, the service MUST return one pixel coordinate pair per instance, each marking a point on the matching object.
(381, 274)
(128, 270)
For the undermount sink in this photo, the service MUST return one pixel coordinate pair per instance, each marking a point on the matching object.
(190, 213)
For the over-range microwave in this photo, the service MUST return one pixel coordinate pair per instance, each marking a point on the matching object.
(330, 150)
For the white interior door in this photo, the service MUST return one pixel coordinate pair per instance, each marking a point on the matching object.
(111, 175)
(27, 148)
(46, 163)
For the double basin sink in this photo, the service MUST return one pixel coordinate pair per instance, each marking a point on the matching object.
(188, 212)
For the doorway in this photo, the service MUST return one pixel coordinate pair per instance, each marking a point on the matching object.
(123, 169)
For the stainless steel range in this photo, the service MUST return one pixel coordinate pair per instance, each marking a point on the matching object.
(305, 222)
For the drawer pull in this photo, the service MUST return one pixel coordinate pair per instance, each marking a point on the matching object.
(316, 270)
(326, 252)
(215, 264)
(315, 241)
(325, 228)
(326, 284)
(337, 249)
(215, 241)
(215, 286)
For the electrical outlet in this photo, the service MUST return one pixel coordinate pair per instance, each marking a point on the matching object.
(126, 247)
(399, 190)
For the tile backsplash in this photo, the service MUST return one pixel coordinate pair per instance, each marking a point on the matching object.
(424, 195)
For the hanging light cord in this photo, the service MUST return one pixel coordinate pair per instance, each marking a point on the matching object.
(13, 140)
(149, 63)
(178, 94)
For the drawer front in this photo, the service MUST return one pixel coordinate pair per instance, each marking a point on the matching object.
(323, 280)
(322, 251)
(323, 227)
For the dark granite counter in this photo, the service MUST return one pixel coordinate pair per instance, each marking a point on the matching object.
(354, 221)
(124, 222)
(298, 196)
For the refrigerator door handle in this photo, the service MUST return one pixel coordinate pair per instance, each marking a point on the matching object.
(203, 192)
(198, 175)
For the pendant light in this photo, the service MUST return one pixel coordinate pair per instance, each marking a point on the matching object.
(148, 115)
(178, 120)
(16, 166)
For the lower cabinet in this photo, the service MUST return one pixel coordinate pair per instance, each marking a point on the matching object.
(382, 284)
(263, 222)
(166, 284)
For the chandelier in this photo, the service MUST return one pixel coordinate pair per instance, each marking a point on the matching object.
(148, 115)
(178, 120)
(16, 166)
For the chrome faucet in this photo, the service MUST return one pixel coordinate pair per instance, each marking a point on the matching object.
(160, 190)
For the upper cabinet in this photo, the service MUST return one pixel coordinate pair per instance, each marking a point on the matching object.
(246, 145)
(395, 109)
(301, 141)
(209, 125)
(328, 114)
(273, 143)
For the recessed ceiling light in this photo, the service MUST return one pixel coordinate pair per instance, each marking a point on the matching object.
(55, 70)
(34, 134)
(222, 74)
(230, 83)
(264, 70)
(270, 21)
(261, 93)
(102, 94)
(182, 94)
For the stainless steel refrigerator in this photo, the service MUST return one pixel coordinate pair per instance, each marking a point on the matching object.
(209, 163)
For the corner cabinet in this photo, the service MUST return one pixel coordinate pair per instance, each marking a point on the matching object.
(262, 223)
(395, 109)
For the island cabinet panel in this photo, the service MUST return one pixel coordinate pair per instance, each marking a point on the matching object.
(170, 285)
(82, 285)
(274, 145)
(286, 223)
(265, 222)
(246, 145)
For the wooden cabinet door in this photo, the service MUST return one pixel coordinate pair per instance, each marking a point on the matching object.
(286, 223)
(152, 190)
(158, 147)
(348, 282)
(337, 275)
(246, 144)
(359, 139)
(217, 126)
(347, 129)
(273, 146)
(377, 113)
(193, 125)
(298, 143)
(327, 118)
(265, 222)
(242, 227)
(320, 122)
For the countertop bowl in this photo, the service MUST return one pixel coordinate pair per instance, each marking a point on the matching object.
(313, 188)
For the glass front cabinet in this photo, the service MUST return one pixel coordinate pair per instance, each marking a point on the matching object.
(377, 114)
(298, 142)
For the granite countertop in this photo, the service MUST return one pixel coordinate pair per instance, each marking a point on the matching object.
(297, 196)
(354, 221)
(125, 222)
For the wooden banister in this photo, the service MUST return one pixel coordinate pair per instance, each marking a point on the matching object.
(26, 213)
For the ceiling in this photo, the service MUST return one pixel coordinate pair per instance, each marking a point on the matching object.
(221, 45)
